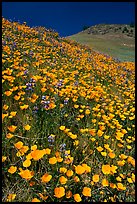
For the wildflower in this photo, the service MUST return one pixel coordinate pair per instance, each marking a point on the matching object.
(63, 170)
(35, 200)
(27, 163)
(68, 194)
(4, 158)
(18, 145)
(12, 128)
(53, 160)
(104, 154)
(7, 93)
(87, 168)
(113, 169)
(27, 127)
(106, 169)
(9, 135)
(79, 169)
(99, 148)
(76, 179)
(105, 182)
(87, 111)
(100, 133)
(69, 173)
(37, 154)
(63, 180)
(24, 107)
(86, 191)
(26, 174)
(129, 180)
(12, 169)
(47, 151)
(59, 192)
(62, 127)
(34, 147)
(111, 155)
(95, 178)
(11, 197)
(77, 197)
(112, 185)
(120, 186)
(13, 113)
(46, 178)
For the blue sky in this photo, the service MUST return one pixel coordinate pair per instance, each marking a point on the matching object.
(68, 18)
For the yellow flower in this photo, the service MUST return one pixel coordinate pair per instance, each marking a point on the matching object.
(63, 180)
(27, 127)
(95, 178)
(34, 147)
(86, 191)
(24, 107)
(59, 192)
(26, 174)
(79, 169)
(76, 179)
(112, 185)
(105, 182)
(46, 178)
(113, 169)
(27, 163)
(77, 197)
(16, 97)
(47, 151)
(68, 194)
(104, 154)
(18, 145)
(99, 148)
(4, 158)
(37, 154)
(5, 107)
(76, 106)
(100, 133)
(63, 170)
(106, 169)
(35, 200)
(7, 93)
(12, 128)
(118, 178)
(92, 132)
(69, 173)
(62, 127)
(87, 168)
(53, 160)
(120, 186)
(111, 155)
(9, 135)
(87, 111)
(12, 169)
(129, 180)
(11, 197)
(13, 113)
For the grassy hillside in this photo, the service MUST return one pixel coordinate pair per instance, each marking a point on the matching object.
(109, 39)
(68, 120)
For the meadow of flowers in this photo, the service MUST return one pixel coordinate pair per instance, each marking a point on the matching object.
(68, 120)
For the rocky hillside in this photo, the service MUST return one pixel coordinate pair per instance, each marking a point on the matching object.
(102, 29)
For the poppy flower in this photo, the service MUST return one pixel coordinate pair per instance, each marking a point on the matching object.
(106, 169)
(86, 191)
(59, 192)
(12, 169)
(77, 197)
(46, 178)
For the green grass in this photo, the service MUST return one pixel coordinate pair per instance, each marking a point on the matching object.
(113, 46)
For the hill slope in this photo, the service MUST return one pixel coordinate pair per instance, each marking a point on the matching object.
(114, 39)
(68, 120)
